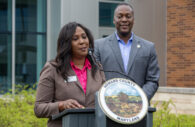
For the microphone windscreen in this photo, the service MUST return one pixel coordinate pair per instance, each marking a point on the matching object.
(90, 50)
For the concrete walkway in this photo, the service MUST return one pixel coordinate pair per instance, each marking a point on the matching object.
(183, 98)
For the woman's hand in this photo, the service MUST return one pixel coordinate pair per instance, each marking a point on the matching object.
(69, 104)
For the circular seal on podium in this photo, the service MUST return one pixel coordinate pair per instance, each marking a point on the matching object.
(123, 101)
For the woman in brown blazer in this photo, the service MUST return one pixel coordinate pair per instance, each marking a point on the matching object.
(71, 80)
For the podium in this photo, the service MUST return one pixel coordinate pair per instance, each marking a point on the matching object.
(119, 103)
(76, 117)
(87, 118)
(90, 117)
(101, 120)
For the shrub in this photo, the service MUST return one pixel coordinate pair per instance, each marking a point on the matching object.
(18, 110)
(163, 117)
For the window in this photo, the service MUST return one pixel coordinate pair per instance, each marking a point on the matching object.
(30, 41)
(5, 45)
(106, 14)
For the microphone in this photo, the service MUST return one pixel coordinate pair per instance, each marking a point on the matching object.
(90, 52)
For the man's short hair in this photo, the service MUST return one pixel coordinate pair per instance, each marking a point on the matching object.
(124, 3)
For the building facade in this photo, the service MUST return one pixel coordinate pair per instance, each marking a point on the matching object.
(181, 43)
(22, 41)
(29, 31)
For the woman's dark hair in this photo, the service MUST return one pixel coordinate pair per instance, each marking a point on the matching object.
(64, 48)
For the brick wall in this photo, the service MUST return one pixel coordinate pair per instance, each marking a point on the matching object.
(181, 43)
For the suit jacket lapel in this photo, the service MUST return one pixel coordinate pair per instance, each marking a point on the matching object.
(133, 52)
(89, 84)
(113, 42)
(72, 73)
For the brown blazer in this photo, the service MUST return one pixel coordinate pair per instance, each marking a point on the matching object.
(52, 88)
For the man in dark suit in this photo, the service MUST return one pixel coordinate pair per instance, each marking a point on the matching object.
(126, 53)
